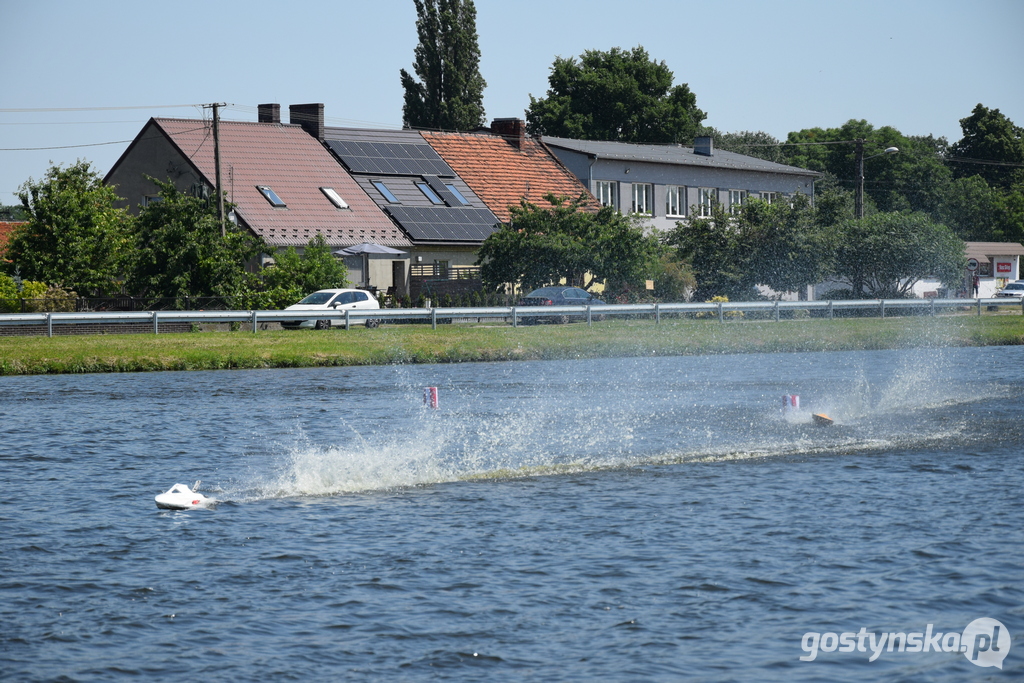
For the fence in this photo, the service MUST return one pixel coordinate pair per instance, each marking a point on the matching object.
(516, 315)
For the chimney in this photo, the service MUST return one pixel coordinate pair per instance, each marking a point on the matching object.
(513, 130)
(310, 117)
(704, 145)
(269, 113)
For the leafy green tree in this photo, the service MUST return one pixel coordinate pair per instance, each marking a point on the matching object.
(545, 245)
(179, 251)
(295, 275)
(989, 137)
(621, 95)
(885, 254)
(449, 94)
(777, 245)
(74, 236)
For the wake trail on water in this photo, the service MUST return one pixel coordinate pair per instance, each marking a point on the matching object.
(473, 439)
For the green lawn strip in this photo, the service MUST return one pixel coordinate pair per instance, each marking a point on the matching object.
(492, 342)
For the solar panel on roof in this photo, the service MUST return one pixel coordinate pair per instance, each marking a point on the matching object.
(444, 223)
(389, 158)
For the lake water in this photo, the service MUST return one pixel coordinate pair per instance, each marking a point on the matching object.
(623, 519)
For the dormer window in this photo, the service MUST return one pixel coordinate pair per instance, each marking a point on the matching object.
(385, 192)
(271, 196)
(334, 197)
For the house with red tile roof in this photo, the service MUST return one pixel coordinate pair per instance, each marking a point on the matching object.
(284, 184)
(504, 166)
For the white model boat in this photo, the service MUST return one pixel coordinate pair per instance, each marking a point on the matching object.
(181, 497)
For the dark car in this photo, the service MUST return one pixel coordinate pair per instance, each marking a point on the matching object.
(559, 296)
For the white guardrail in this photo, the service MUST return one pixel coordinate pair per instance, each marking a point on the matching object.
(515, 314)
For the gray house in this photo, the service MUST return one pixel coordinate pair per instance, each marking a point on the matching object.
(669, 183)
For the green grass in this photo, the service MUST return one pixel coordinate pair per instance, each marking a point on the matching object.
(463, 343)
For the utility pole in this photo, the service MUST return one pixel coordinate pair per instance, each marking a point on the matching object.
(216, 163)
(859, 202)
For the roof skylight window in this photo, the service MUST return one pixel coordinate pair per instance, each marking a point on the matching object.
(334, 197)
(458, 195)
(383, 189)
(271, 196)
(429, 193)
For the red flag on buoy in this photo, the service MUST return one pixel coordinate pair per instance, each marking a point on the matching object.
(430, 397)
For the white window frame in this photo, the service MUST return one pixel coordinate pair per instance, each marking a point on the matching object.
(768, 197)
(675, 201)
(605, 191)
(737, 198)
(643, 199)
(708, 197)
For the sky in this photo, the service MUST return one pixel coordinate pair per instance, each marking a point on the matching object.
(78, 80)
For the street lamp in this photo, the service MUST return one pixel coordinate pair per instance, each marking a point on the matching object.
(860, 171)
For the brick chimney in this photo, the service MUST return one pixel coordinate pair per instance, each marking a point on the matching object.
(704, 145)
(269, 113)
(310, 117)
(513, 130)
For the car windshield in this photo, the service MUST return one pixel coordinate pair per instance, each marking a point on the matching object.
(1015, 286)
(318, 298)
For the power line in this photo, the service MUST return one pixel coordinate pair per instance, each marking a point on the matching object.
(55, 109)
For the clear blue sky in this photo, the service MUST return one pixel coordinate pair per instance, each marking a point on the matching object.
(917, 65)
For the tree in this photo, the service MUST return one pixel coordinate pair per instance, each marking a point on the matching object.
(751, 143)
(74, 236)
(777, 245)
(545, 245)
(179, 251)
(295, 275)
(885, 254)
(989, 137)
(449, 94)
(621, 95)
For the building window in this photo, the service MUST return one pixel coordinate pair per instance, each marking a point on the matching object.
(643, 198)
(605, 191)
(271, 196)
(675, 201)
(384, 191)
(458, 195)
(737, 198)
(768, 197)
(334, 197)
(151, 199)
(708, 198)
(429, 193)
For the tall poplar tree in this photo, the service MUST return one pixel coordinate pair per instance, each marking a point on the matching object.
(449, 94)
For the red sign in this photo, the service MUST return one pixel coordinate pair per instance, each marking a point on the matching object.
(1003, 267)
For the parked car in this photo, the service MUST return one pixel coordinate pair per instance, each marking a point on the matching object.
(1014, 289)
(559, 296)
(331, 300)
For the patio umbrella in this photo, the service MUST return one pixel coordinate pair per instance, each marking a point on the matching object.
(364, 250)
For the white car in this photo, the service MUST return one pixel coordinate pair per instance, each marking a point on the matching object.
(1014, 289)
(331, 300)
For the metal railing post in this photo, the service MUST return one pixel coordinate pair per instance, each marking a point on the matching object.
(156, 324)
(657, 314)
(721, 316)
(979, 305)
(881, 308)
(933, 307)
(348, 323)
(831, 311)
(254, 322)
(515, 317)
(433, 318)
(590, 322)
(776, 310)
(49, 324)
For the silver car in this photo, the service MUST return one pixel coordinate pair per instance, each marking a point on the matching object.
(1014, 289)
(331, 300)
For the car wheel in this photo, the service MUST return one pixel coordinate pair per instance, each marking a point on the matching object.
(562, 320)
(372, 324)
(323, 325)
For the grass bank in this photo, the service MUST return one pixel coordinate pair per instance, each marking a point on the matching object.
(463, 343)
